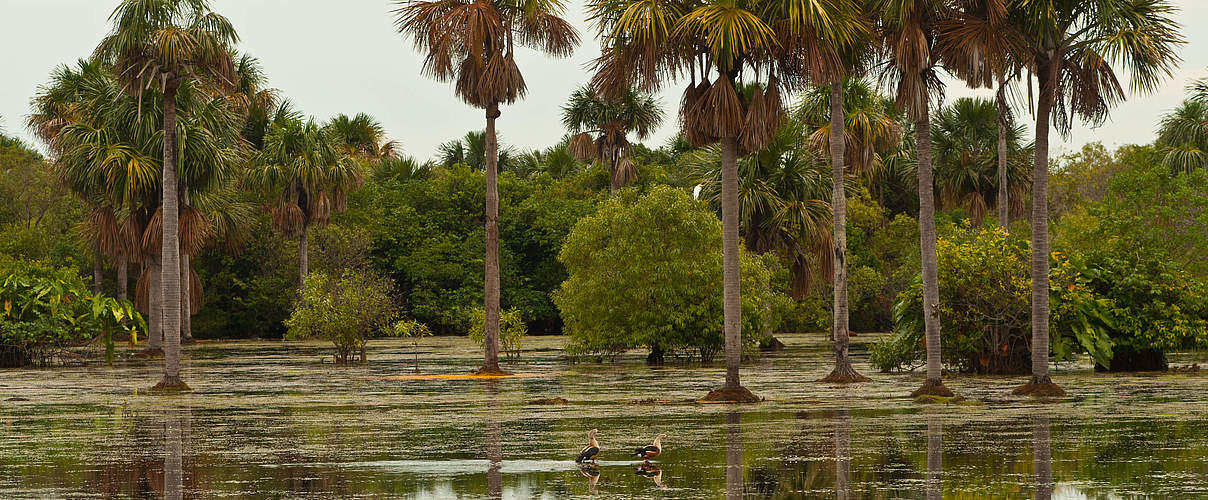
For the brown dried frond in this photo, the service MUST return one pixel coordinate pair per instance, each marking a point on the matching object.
(582, 147)
(719, 111)
(320, 209)
(141, 291)
(131, 239)
(105, 231)
(549, 33)
(193, 230)
(287, 219)
(153, 235)
(196, 296)
(755, 131)
(694, 133)
(626, 172)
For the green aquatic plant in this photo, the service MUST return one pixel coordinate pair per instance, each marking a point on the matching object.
(345, 309)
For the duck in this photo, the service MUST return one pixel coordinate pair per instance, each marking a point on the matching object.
(589, 452)
(652, 450)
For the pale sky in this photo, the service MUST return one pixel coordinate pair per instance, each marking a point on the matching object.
(343, 56)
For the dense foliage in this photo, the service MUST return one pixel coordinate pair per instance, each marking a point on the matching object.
(625, 292)
(48, 309)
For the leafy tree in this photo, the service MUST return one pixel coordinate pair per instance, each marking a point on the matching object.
(415, 331)
(600, 126)
(665, 297)
(511, 331)
(471, 150)
(1074, 44)
(473, 44)
(345, 308)
(166, 43)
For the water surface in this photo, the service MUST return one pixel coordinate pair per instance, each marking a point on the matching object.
(278, 420)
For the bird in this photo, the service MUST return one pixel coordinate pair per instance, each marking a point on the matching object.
(589, 452)
(652, 450)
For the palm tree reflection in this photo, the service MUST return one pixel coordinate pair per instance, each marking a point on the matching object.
(842, 454)
(935, 458)
(734, 470)
(494, 442)
(174, 438)
(1042, 459)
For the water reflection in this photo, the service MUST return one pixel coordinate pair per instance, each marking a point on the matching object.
(842, 453)
(494, 441)
(935, 457)
(1042, 459)
(174, 431)
(734, 476)
(592, 473)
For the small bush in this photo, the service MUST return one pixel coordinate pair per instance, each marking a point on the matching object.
(345, 309)
(512, 331)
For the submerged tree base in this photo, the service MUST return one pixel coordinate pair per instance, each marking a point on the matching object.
(491, 372)
(737, 394)
(171, 385)
(844, 374)
(932, 387)
(1039, 387)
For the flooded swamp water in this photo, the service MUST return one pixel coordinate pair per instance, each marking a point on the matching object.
(278, 420)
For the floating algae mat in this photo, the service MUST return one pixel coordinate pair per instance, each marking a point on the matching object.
(278, 420)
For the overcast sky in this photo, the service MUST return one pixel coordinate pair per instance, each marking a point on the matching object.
(331, 57)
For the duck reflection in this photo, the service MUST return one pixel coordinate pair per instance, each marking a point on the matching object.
(653, 472)
(494, 442)
(1042, 460)
(592, 473)
(734, 470)
(843, 454)
(935, 458)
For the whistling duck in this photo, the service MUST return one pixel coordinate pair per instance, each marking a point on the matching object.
(589, 452)
(653, 472)
(652, 450)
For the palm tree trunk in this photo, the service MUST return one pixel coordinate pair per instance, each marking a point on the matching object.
(123, 277)
(843, 372)
(935, 458)
(933, 385)
(98, 270)
(303, 257)
(186, 283)
(491, 273)
(1004, 215)
(731, 287)
(1041, 383)
(843, 454)
(170, 251)
(155, 308)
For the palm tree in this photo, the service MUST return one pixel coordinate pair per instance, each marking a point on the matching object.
(967, 140)
(911, 32)
(600, 126)
(1183, 136)
(362, 137)
(556, 160)
(165, 43)
(307, 176)
(719, 44)
(471, 150)
(1073, 45)
(472, 43)
(872, 129)
(784, 201)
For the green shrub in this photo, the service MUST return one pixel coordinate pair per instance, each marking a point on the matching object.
(511, 330)
(985, 310)
(646, 271)
(345, 309)
(47, 309)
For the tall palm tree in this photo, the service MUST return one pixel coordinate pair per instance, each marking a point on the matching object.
(472, 43)
(165, 43)
(1073, 45)
(969, 139)
(911, 32)
(362, 137)
(872, 128)
(601, 125)
(306, 175)
(720, 43)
